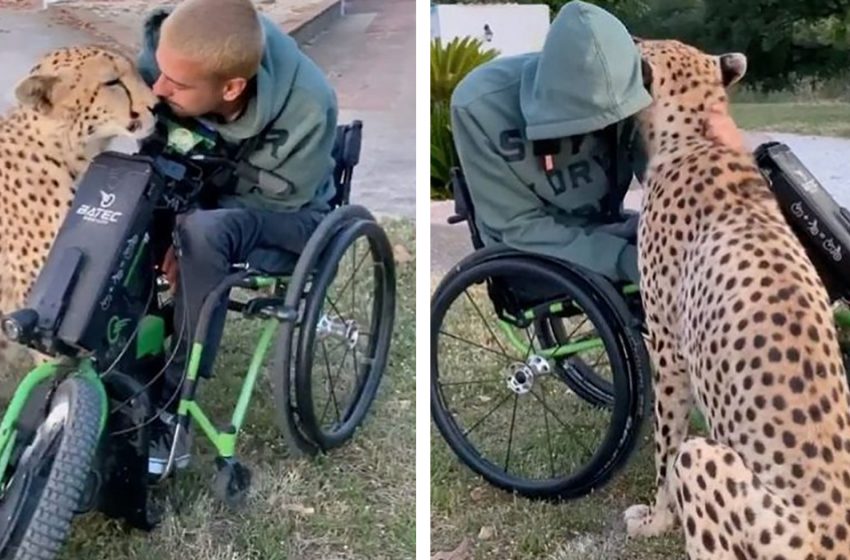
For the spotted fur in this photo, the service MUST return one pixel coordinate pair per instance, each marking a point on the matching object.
(740, 326)
(72, 103)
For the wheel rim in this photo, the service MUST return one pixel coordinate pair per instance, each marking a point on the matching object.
(559, 431)
(345, 334)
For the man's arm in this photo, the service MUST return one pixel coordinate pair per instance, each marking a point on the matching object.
(294, 155)
(517, 214)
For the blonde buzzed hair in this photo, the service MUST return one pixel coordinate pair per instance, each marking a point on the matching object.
(226, 35)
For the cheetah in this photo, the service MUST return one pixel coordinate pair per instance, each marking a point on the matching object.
(740, 326)
(70, 105)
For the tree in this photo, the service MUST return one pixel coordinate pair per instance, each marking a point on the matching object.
(783, 39)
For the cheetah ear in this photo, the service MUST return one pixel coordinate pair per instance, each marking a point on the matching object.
(733, 66)
(36, 91)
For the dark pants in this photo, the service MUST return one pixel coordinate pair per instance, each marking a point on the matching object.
(211, 242)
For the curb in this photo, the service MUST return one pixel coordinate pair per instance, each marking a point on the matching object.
(307, 30)
(302, 29)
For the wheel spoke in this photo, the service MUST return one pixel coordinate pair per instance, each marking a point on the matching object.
(476, 345)
(548, 435)
(331, 381)
(511, 433)
(334, 306)
(530, 343)
(354, 273)
(484, 320)
(479, 382)
(328, 369)
(342, 364)
(561, 422)
(575, 330)
(595, 364)
(546, 407)
(486, 416)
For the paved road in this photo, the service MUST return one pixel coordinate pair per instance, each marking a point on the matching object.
(369, 55)
(24, 38)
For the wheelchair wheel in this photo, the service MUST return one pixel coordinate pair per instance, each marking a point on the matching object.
(49, 472)
(344, 336)
(499, 395)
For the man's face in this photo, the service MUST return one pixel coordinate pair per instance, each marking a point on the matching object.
(185, 85)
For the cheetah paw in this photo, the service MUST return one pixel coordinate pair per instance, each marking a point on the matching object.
(641, 521)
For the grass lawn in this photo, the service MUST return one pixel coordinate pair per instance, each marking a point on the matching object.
(549, 430)
(824, 118)
(358, 502)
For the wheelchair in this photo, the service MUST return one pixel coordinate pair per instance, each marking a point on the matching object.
(75, 435)
(540, 378)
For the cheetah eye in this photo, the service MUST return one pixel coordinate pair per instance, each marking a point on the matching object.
(115, 82)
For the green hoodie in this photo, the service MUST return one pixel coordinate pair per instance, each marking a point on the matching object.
(568, 101)
(291, 166)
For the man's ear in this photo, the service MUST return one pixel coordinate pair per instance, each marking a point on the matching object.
(37, 91)
(733, 66)
(646, 71)
(233, 88)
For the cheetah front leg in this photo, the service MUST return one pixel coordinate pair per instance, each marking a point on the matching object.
(673, 402)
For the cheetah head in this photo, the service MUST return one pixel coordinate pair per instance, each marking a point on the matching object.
(93, 91)
(684, 83)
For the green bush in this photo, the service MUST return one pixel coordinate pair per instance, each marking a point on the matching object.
(450, 63)
(443, 154)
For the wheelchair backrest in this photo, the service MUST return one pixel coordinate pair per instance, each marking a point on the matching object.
(346, 153)
(464, 211)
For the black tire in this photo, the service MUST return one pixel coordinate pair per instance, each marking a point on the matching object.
(350, 411)
(51, 476)
(625, 351)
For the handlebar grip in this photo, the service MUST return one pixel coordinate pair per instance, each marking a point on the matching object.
(456, 219)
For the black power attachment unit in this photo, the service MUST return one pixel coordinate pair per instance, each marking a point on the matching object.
(821, 224)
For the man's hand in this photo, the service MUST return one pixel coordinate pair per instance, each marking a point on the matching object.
(721, 128)
(170, 269)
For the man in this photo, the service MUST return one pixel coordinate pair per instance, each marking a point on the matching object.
(238, 74)
(549, 147)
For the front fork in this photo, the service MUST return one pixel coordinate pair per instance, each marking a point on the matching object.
(56, 371)
(224, 440)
